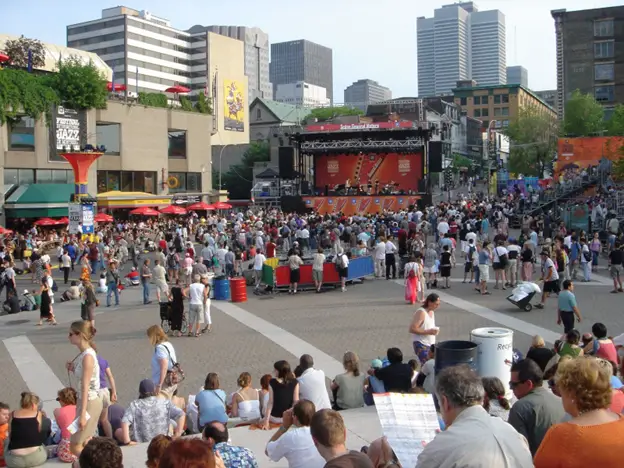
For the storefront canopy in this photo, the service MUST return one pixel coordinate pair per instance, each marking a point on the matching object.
(117, 199)
(39, 201)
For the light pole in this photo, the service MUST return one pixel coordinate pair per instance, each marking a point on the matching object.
(220, 156)
(489, 156)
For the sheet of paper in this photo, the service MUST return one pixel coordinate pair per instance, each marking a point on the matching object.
(409, 422)
(74, 426)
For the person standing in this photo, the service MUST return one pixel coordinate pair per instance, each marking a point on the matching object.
(112, 281)
(45, 309)
(197, 294)
(567, 307)
(380, 257)
(317, 269)
(176, 296)
(484, 268)
(550, 276)
(342, 264)
(160, 281)
(258, 264)
(446, 266)
(513, 256)
(294, 262)
(585, 260)
(391, 251)
(146, 276)
(412, 279)
(423, 327)
(66, 264)
(616, 259)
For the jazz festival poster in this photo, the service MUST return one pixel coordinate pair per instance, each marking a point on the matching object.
(234, 105)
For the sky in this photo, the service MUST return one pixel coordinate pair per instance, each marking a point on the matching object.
(374, 39)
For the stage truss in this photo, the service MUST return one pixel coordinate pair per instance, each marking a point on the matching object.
(320, 146)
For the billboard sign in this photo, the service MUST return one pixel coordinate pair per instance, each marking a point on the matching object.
(330, 127)
(68, 131)
(233, 106)
(75, 217)
(87, 219)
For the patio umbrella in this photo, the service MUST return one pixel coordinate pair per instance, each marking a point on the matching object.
(103, 218)
(46, 222)
(222, 206)
(200, 206)
(4, 230)
(144, 211)
(118, 87)
(4, 57)
(177, 89)
(173, 210)
(64, 220)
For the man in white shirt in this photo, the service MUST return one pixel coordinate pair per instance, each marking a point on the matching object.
(259, 260)
(312, 385)
(380, 257)
(390, 259)
(317, 269)
(293, 440)
(443, 228)
(305, 239)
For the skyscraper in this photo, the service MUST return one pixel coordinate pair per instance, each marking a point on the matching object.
(518, 75)
(302, 60)
(256, 57)
(460, 43)
(364, 92)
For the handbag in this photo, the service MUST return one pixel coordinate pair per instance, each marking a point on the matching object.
(175, 375)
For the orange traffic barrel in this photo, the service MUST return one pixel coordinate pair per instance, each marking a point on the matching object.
(238, 288)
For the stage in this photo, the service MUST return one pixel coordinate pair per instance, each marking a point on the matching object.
(359, 205)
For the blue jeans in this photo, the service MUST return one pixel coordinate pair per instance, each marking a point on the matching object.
(94, 265)
(112, 289)
(146, 292)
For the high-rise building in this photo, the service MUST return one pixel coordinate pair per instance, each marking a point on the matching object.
(517, 74)
(302, 94)
(302, 60)
(364, 92)
(549, 96)
(256, 57)
(458, 43)
(589, 55)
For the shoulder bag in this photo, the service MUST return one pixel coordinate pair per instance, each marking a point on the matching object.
(175, 375)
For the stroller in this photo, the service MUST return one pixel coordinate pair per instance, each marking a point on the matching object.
(522, 295)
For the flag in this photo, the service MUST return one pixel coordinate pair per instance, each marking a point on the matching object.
(113, 81)
(137, 79)
(30, 61)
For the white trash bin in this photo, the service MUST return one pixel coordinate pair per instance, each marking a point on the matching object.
(495, 353)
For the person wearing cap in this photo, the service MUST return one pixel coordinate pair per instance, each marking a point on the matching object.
(549, 276)
(150, 415)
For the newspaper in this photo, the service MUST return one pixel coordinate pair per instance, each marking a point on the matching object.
(409, 421)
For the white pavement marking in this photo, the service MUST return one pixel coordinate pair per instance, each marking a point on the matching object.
(281, 337)
(37, 374)
(498, 317)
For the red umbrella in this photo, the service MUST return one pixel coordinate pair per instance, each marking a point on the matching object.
(4, 57)
(144, 211)
(173, 210)
(178, 89)
(222, 206)
(103, 218)
(200, 206)
(4, 230)
(46, 222)
(118, 87)
(64, 220)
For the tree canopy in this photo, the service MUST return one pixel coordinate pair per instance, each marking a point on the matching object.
(323, 114)
(615, 125)
(533, 138)
(584, 116)
(78, 85)
(17, 50)
(24, 93)
(238, 180)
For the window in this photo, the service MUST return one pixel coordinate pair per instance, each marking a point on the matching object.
(126, 181)
(477, 113)
(485, 112)
(477, 100)
(604, 72)
(604, 93)
(497, 111)
(19, 176)
(22, 134)
(505, 123)
(603, 28)
(603, 49)
(187, 182)
(504, 98)
(177, 144)
(484, 99)
(259, 114)
(504, 110)
(108, 134)
(497, 99)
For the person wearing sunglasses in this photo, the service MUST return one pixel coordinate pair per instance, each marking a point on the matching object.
(537, 408)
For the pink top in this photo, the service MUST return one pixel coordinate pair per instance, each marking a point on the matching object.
(64, 417)
(607, 351)
(188, 262)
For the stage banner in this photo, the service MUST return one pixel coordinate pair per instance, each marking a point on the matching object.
(402, 171)
(366, 205)
(576, 154)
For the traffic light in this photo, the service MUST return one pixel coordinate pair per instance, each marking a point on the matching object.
(448, 177)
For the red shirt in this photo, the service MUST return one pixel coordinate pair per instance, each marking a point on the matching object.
(162, 243)
(270, 250)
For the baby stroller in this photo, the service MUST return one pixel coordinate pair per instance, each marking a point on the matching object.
(165, 318)
(522, 295)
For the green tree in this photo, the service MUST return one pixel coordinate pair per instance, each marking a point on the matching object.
(79, 85)
(533, 136)
(460, 161)
(584, 116)
(615, 125)
(238, 180)
(186, 104)
(323, 114)
(153, 99)
(24, 93)
(203, 104)
(17, 50)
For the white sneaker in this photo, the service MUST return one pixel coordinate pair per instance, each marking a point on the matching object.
(344, 289)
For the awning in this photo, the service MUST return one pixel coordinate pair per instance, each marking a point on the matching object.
(118, 199)
(39, 201)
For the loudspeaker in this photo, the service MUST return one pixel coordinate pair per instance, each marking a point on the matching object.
(286, 159)
(291, 203)
(305, 187)
(435, 156)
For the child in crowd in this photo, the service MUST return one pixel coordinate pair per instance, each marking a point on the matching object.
(102, 288)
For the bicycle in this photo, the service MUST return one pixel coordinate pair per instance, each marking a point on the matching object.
(165, 319)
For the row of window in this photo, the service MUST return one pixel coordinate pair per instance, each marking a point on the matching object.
(95, 26)
(497, 123)
(38, 176)
(478, 100)
(126, 181)
(167, 57)
(485, 112)
(604, 93)
(78, 43)
(132, 64)
(159, 43)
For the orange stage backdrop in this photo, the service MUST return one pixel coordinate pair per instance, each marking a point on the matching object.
(575, 154)
(359, 205)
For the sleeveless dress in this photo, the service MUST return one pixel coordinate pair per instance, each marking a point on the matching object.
(249, 410)
(44, 310)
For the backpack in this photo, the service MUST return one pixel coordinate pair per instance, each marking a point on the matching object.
(588, 256)
(54, 286)
(172, 261)
(340, 263)
(471, 252)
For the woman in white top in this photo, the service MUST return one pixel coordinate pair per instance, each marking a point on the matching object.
(87, 370)
(423, 327)
(246, 402)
